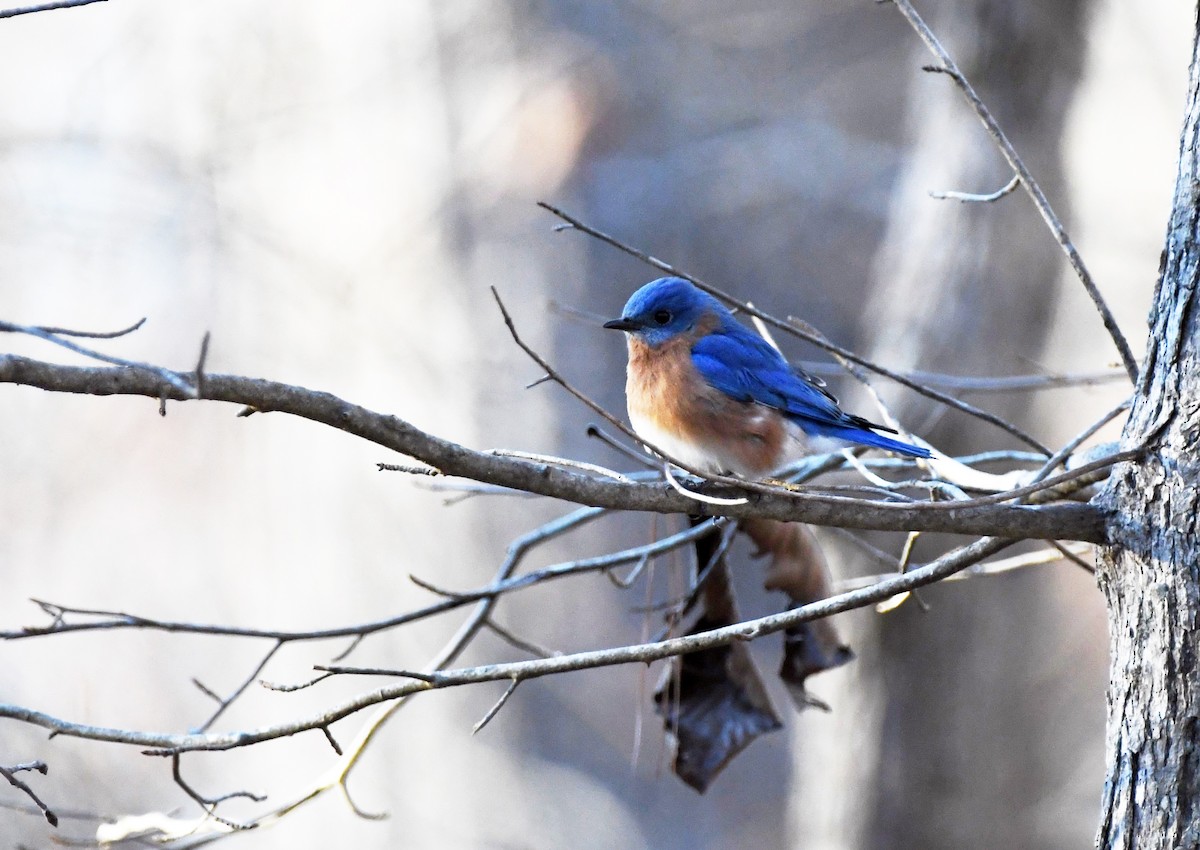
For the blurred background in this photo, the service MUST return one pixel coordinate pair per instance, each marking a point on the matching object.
(331, 190)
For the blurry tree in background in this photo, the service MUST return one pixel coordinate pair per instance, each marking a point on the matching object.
(331, 194)
(964, 288)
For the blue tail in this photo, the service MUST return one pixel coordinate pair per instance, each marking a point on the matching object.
(869, 438)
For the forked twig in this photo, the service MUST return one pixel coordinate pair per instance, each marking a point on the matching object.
(10, 773)
(55, 335)
(950, 69)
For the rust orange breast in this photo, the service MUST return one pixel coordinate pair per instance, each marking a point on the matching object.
(695, 422)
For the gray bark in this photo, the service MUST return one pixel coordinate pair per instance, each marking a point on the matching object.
(1151, 575)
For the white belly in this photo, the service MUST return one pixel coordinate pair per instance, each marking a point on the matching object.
(711, 460)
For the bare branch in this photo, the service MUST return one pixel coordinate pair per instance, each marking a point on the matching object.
(1079, 439)
(173, 744)
(224, 703)
(949, 68)
(969, 197)
(201, 360)
(1018, 383)
(46, 7)
(495, 709)
(596, 432)
(1064, 522)
(354, 807)
(93, 334)
(1055, 552)
(634, 554)
(10, 773)
(562, 461)
(177, 381)
(997, 384)
(120, 620)
(210, 804)
(512, 639)
(1073, 557)
(1004, 383)
(411, 470)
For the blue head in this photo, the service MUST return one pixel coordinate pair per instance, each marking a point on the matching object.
(665, 308)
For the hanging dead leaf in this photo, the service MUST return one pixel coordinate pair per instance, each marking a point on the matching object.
(714, 705)
(713, 701)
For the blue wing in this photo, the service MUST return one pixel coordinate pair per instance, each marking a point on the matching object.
(745, 367)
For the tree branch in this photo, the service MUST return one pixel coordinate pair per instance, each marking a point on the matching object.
(10, 773)
(1060, 521)
(169, 744)
(46, 7)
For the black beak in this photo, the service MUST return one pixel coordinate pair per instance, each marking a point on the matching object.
(623, 325)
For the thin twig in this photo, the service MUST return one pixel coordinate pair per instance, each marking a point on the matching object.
(348, 670)
(168, 744)
(1071, 522)
(581, 565)
(881, 557)
(224, 703)
(558, 378)
(596, 432)
(495, 709)
(10, 773)
(337, 748)
(995, 384)
(1052, 553)
(896, 601)
(562, 461)
(1073, 557)
(519, 642)
(719, 501)
(1079, 439)
(626, 582)
(1017, 383)
(46, 7)
(93, 334)
(173, 378)
(411, 470)
(358, 810)
(122, 620)
(970, 197)
(899, 378)
(200, 363)
(210, 804)
(949, 68)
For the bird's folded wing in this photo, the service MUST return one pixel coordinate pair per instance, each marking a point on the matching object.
(748, 369)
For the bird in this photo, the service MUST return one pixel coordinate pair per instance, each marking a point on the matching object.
(720, 399)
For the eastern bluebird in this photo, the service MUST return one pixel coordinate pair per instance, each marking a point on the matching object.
(718, 397)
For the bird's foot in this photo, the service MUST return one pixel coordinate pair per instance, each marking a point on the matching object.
(786, 485)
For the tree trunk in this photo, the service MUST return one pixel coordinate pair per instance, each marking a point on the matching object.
(1151, 573)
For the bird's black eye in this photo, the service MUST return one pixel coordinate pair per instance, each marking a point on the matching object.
(662, 317)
